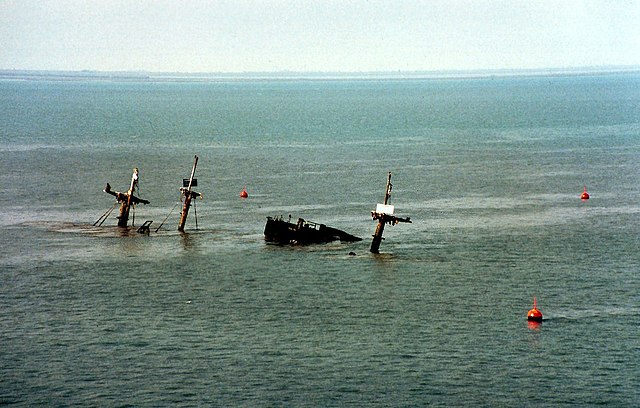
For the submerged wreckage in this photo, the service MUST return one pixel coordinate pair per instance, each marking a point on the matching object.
(188, 195)
(126, 201)
(303, 232)
(277, 229)
(306, 232)
(384, 214)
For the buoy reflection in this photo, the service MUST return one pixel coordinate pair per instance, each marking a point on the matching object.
(533, 325)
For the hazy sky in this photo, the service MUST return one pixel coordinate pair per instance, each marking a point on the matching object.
(316, 35)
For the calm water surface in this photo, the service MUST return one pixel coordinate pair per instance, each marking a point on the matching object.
(489, 170)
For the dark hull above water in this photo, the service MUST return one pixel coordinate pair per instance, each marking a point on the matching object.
(303, 232)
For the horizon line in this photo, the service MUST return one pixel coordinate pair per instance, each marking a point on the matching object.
(427, 74)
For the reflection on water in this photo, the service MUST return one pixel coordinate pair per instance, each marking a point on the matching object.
(188, 241)
(533, 325)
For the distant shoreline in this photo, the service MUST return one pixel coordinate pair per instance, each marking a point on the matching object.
(148, 76)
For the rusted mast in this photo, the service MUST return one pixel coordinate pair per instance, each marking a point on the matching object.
(188, 195)
(126, 199)
(384, 215)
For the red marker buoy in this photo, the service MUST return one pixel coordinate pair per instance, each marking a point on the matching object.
(585, 195)
(534, 314)
(243, 193)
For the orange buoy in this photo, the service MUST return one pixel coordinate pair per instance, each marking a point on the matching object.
(243, 193)
(534, 315)
(585, 195)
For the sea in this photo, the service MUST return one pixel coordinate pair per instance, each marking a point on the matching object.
(489, 168)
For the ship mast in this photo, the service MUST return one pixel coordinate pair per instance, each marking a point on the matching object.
(127, 199)
(188, 195)
(384, 214)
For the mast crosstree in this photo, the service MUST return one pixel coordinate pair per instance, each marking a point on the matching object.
(384, 214)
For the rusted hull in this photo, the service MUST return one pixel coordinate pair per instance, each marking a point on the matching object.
(303, 232)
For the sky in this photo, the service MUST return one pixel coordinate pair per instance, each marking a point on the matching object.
(197, 36)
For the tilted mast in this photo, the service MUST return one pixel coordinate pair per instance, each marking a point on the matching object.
(188, 195)
(126, 199)
(384, 214)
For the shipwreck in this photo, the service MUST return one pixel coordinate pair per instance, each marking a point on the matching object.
(284, 232)
(126, 200)
(384, 214)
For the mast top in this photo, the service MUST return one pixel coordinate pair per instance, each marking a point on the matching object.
(388, 191)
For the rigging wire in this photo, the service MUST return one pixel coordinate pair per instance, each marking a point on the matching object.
(167, 217)
(104, 216)
(195, 213)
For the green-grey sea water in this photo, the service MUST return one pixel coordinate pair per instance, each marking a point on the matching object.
(490, 170)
